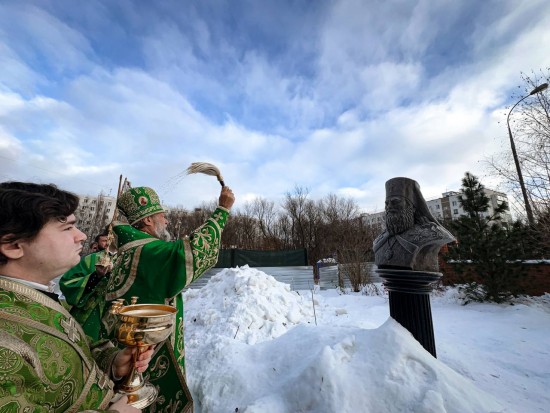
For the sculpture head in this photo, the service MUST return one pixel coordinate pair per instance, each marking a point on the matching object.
(413, 236)
(399, 214)
(405, 205)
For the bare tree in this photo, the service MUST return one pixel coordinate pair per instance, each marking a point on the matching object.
(330, 227)
(266, 215)
(295, 206)
(242, 231)
(178, 218)
(283, 231)
(531, 126)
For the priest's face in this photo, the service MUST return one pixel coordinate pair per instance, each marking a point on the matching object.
(399, 214)
(160, 222)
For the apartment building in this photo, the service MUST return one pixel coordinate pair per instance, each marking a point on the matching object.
(376, 218)
(448, 208)
(94, 213)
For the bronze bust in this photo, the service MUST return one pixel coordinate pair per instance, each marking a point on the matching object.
(413, 237)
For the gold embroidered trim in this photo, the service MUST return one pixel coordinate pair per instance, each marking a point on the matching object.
(131, 277)
(49, 330)
(95, 375)
(189, 407)
(189, 272)
(135, 243)
(108, 397)
(43, 299)
(173, 302)
(27, 352)
(19, 288)
(217, 225)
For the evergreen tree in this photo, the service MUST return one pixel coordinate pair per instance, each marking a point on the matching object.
(486, 253)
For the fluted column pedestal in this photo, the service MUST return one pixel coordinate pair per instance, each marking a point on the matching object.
(409, 294)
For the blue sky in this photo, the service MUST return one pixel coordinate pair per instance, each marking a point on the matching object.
(334, 96)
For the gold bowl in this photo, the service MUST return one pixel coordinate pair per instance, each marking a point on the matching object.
(145, 324)
(141, 325)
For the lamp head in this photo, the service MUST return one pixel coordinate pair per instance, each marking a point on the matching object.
(538, 89)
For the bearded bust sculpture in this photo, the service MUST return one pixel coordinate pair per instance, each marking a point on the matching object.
(413, 237)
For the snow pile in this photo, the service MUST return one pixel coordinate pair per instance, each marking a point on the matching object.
(285, 363)
(245, 304)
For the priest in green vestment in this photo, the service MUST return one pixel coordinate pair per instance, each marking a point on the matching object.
(84, 288)
(156, 270)
(46, 362)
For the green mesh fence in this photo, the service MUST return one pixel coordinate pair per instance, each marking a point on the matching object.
(255, 258)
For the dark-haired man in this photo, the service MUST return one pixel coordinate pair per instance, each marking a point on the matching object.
(102, 240)
(46, 362)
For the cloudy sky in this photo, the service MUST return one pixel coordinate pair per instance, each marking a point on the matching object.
(334, 96)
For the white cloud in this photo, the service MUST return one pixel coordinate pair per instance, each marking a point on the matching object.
(375, 90)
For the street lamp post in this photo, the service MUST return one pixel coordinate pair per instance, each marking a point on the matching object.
(528, 209)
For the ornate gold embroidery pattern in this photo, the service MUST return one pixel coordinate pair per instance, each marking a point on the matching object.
(69, 326)
(179, 337)
(174, 405)
(31, 294)
(135, 243)
(53, 361)
(173, 302)
(160, 368)
(119, 292)
(40, 298)
(7, 362)
(181, 376)
(96, 374)
(189, 272)
(48, 330)
(205, 244)
(118, 274)
(43, 348)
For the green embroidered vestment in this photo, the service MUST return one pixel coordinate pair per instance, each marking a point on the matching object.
(156, 272)
(45, 362)
(86, 307)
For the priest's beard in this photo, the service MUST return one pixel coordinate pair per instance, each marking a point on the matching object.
(162, 233)
(398, 222)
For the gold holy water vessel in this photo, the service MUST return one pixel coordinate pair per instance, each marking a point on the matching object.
(141, 325)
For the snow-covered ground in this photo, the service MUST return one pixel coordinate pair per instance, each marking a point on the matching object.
(254, 346)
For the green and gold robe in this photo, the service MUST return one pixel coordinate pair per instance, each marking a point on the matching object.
(46, 364)
(86, 306)
(156, 272)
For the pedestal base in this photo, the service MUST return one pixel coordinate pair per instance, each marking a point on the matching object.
(139, 398)
(409, 294)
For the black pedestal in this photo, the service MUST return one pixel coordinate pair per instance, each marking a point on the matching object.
(409, 293)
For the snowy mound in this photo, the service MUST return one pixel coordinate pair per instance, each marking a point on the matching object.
(245, 304)
(308, 368)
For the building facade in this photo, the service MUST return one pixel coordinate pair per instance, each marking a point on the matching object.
(448, 208)
(93, 214)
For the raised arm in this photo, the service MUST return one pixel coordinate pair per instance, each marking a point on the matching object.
(206, 240)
